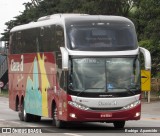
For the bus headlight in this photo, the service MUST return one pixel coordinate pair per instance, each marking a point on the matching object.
(77, 105)
(132, 105)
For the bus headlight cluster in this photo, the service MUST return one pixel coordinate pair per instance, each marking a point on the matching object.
(77, 105)
(132, 105)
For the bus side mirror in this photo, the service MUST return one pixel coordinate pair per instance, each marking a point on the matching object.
(147, 58)
(65, 58)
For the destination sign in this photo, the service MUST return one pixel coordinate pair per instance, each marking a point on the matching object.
(90, 61)
(107, 61)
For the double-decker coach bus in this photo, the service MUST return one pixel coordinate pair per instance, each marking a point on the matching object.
(76, 68)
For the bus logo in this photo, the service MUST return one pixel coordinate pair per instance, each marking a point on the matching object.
(112, 103)
(17, 66)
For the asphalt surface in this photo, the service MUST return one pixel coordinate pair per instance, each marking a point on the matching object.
(150, 118)
(151, 110)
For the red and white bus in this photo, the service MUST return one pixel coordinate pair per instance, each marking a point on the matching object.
(76, 68)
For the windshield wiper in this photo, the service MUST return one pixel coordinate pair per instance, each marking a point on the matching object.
(131, 91)
(87, 89)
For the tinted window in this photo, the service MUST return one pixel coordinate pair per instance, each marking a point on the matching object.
(59, 37)
(29, 41)
(44, 39)
(24, 41)
(13, 43)
(101, 36)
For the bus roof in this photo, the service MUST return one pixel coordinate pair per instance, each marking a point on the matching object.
(62, 18)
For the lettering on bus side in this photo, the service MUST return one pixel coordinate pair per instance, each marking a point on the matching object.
(17, 66)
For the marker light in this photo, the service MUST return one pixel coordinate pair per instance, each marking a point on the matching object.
(77, 105)
(132, 105)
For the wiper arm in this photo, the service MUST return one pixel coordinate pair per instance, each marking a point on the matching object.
(87, 89)
(128, 89)
(81, 92)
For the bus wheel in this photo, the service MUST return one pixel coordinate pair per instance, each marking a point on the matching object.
(58, 123)
(23, 116)
(20, 113)
(119, 124)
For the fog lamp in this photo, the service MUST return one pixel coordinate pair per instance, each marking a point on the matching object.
(72, 115)
(137, 114)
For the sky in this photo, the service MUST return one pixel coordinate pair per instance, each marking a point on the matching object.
(8, 10)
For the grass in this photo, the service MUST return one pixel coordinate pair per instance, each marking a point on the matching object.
(4, 93)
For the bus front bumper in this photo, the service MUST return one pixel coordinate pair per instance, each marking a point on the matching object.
(75, 114)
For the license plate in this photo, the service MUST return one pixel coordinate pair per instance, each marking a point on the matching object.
(106, 115)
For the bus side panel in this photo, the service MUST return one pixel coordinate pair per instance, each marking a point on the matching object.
(33, 73)
(47, 81)
(15, 74)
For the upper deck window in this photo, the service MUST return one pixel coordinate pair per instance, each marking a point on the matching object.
(104, 36)
(47, 38)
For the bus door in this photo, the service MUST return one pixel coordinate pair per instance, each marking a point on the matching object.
(62, 96)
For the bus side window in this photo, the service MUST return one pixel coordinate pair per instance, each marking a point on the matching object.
(53, 35)
(16, 42)
(30, 41)
(59, 37)
(12, 43)
(19, 43)
(63, 80)
(46, 39)
(41, 39)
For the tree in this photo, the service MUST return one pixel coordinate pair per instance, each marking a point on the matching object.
(107, 7)
(37, 8)
(144, 13)
(147, 18)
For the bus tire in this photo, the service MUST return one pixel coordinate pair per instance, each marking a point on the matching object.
(56, 122)
(119, 124)
(20, 113)
(23, 116)
(20, 116)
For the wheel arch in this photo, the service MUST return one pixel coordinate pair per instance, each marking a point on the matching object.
(53, 107)
(17, 103)
(22, 99)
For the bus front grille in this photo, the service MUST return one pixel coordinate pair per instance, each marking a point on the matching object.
(107, 109)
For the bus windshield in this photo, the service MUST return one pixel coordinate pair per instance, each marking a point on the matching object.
(100, 75)
(102, 36)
